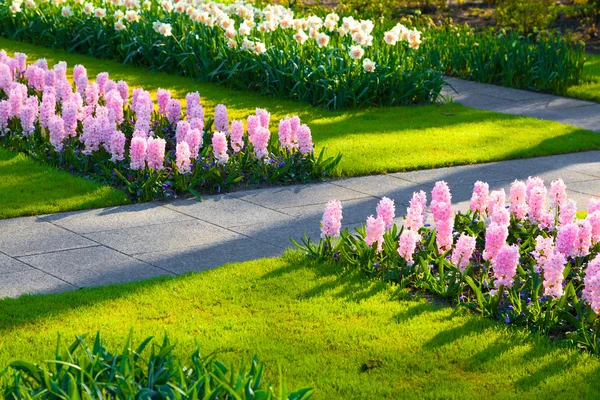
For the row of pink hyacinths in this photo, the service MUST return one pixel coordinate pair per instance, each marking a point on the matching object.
(101, 108)
(566, 237)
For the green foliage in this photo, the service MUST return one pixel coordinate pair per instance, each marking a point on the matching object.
(81, 371)
(526, 16)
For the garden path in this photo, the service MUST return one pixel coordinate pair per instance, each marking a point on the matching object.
(68, 251)
(583, 114)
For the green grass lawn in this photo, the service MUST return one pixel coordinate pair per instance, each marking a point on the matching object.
(590, 89)
(374, 140)
(31, 188)
(319, 324)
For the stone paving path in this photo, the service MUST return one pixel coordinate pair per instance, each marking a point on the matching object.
(68, 251)
(583, 114)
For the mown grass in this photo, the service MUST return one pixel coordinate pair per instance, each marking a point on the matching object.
(31, 188)
(374, 140)
(590, 89)
(321, 325)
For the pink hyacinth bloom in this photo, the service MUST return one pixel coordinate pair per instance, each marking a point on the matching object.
(518, 199)
(123, 89)
(183, 127)
(415, 213)
(137, 153)
(28, 116)
(304, 136)
(16, 99)
(285, 134)
(41, 63)
(584, 239)
(568, 211)
(594, 220)
(544, 249)
(505, 265)
(593, 205)
(92, 94)
(387, 211)
(56, 128)
(566, 239)
(5, 77)
(193, 108)
(260, 141)
(114, 103)
(221, 119)
(219, 143)
(101, 80)
(47, 108)
(497, 198)
(182, 158)
(197, 123)
(35, 77)
(479, 199)
(110, 85)
(116, 146)
(4, 115)
(253, 123)
(80, 78)
(536, 202)
(195, 141)
(264, 116)
(407, 245)
(163, 96)
(134, 97)
(465, 245)
(174, 111)
(69, 116)
(155, 155)
(558, 193)
(237, 136)
(295, 123)
(546, 220)
(441, 211)
(443, 238)
(375, 231)
(591, 282)
(501, 216)
(49, 78)
(441, 193)
(21, 61)
(495, 238)
(553, 275)
(331, 223)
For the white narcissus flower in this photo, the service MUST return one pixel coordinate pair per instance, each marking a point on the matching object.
(368, 65)
(66, 11)
(165, 29)
(322, 40)
(356, 52)
(390, 38)
(100, 12)
(88, 8)
(259, 48)
(300, 36)
(15, 7)
(119, 25)
(247, 44)
(30, 4)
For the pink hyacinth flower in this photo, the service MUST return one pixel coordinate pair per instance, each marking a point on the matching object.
(375, 231)
(156, 153)
(479, 199)
(505, 265)
(518, 199)
(558, 193)
(331, 223)
(407, 244)
(566, 239)
(195, 141)
(495, 238)
(465, 245)
(137, 153)
(219, 143)
(221, 119)
(305, 143)
(182, 158)
(237, 136)
(387, 211)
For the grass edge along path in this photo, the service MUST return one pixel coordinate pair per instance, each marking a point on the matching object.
(29, 187)
(590, 88)
(341, 333)
(372, 141)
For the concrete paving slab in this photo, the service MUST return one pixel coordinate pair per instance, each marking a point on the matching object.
(31, 281)
(378, 186)
(93, 266)
(9, 265)
(468, 174)
(106, 219)
(591, 188)
(299, 195)
(31, 235)
(171, 236)
(225, 211)
(353, 211)
(199, 259)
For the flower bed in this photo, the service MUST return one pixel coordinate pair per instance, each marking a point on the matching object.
(327, 60)
(98, 129)
(524, 263)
